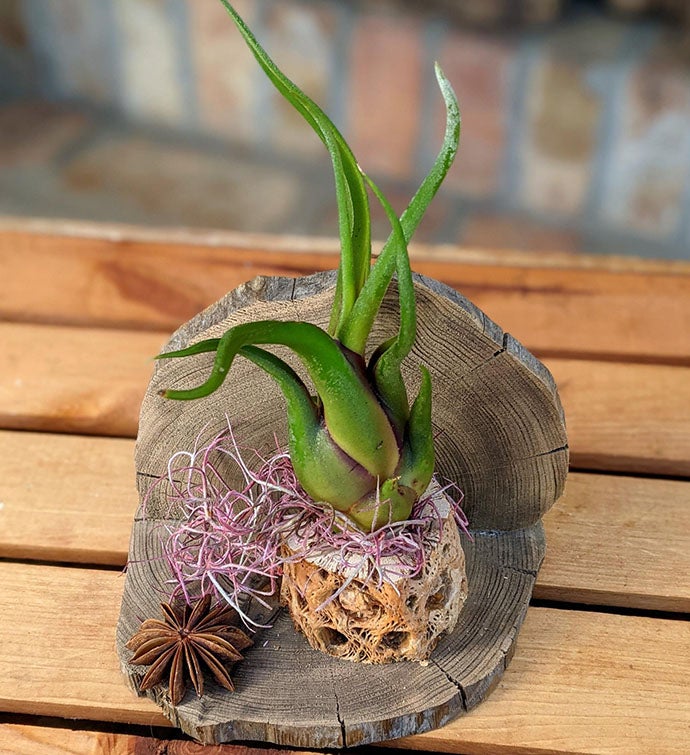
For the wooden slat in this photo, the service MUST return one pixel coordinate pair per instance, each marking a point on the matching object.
(626, 417)
(66, 497)
(582, 682)
(631, 417)
(619, 541)
(39, 740)
(58, 640)
(611, 540)
(74, 379)
(20, 739)
(114, 280)
(27, 739)
(557, 304)
(577, 681)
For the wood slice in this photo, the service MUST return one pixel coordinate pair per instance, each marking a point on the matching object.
(500, 436)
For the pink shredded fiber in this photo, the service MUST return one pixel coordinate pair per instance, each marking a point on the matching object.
(230, 543)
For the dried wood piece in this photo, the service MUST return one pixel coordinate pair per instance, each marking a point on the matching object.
(290, 694)
(500, 437)
(349, 616)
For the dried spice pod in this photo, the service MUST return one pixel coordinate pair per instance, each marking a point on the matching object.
(189, 640)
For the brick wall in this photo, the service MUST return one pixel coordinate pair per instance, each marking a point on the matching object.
(576, 135)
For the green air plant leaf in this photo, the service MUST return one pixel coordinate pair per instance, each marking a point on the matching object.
(353, 203)
(325, 471)
(357, 326)
(358, 445)
(349, 404)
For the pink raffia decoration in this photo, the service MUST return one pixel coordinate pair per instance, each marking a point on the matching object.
(230, 543)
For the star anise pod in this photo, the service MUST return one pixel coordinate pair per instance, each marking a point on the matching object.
(188, 640)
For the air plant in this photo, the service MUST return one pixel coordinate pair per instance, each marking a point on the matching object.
(230, 542)
(358, 444)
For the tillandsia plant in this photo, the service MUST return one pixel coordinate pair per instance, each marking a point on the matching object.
(358, 444)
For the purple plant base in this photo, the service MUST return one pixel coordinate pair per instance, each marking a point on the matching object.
(231, 543)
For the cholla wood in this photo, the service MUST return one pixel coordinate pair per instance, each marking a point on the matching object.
(500, 436)
(365, 621)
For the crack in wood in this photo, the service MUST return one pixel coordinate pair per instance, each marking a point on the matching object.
(341, 720)
(558, 450)
(454, 682)
(442, 431)
(519, 570)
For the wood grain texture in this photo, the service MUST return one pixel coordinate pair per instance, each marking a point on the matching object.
(627, 419)
(343, 703)
(580, 682)
(73, 379)
(619, 541)
(111, 280)
(66, 497)
(576, 682)
(613, 540)
(603, 671)
(19, 739)
(495, 408)
(58, 640)
(556, 304)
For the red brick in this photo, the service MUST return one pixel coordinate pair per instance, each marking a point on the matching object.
(494, 231)
(385, 94)
(300, 40)
(226, 72)
(478, 67)
(563, 116)
(34, 133)
(649, 164)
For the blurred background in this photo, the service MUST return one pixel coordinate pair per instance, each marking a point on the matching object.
(576, 116)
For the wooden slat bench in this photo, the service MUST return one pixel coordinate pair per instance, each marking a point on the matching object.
(603, 659)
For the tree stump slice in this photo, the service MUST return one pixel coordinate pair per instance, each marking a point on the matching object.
(500, 436)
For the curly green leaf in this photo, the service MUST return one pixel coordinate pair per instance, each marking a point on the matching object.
(353, 416)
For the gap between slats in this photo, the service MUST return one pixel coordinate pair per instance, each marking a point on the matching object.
(51, 736)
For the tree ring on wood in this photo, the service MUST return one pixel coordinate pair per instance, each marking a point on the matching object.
(500, 436)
